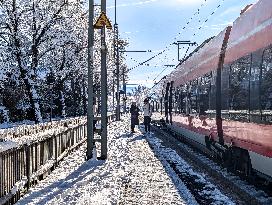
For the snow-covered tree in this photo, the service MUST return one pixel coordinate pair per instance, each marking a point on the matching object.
(38, 37)
(140, 93)
(43, 58)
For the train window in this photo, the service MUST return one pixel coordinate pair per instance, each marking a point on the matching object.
(179, 100)
(266, 87)
(182, 99)
(190, 98)
(203, 94)
(194, 96)
(255, 107)
(239, 96)
(212, 94)
(187, 99)
(175, 98)
(225, 80)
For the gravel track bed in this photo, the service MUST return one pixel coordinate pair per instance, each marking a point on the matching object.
(229, 184)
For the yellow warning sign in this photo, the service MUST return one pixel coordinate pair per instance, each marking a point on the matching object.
(103, 21)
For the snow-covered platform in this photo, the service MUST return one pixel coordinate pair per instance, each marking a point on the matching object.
(132, 174)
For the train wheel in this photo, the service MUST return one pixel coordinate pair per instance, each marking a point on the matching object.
(208, 142)
(240, 162)
(228, 160)
(246, 164)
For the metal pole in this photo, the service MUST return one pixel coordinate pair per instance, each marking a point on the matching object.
(118, 75)
(113, 92)
(170, 100)
(104, 99)
(117, 65)
(178, 52)
(115, 13)
(51, 102)
(90, 114)
(125, 92)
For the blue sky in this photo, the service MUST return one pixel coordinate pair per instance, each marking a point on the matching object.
(154, 24)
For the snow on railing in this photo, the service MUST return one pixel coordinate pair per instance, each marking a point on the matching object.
(28, 130)
(21, 166)
(25, 163)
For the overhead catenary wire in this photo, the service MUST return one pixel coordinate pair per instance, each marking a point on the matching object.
(199, 28)
(188, 22)
(207, 19)
(194, 15)
(156, 65)
(185, 53)
(166, 66)
(132, 59)
(147, 64)
(160, 73)
(167, 47)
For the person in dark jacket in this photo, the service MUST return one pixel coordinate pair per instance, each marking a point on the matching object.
(134, 111)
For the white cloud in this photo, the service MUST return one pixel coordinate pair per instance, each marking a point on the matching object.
(146, 82)
(165, 3)
(133, 4)
(157, 51)
(129, 32)
(220, 26)
(234, 9)
(184, 2)
(189, 2)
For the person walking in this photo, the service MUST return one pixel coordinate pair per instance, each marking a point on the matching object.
(134, 111)
(147, 115)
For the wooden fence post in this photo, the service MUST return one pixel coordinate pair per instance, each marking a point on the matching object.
(27, 151)
(36, 157)
(2, 188)
(73, 137)
(56, 150)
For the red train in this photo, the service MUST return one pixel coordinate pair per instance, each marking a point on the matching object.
(221, 95)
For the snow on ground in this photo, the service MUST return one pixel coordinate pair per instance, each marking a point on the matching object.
(132, 174)
(209, 190)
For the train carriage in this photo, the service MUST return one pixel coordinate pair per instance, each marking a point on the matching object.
(221, 96)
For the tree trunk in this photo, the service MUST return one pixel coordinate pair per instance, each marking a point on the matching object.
(35, 112)
(60, 103)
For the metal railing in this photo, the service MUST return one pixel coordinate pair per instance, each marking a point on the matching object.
(24, 166)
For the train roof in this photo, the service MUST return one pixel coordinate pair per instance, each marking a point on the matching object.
(203, 60)
(251, 31)
(164, 79)
(197, 49)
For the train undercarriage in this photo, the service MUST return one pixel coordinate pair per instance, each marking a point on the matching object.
(234, 159)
